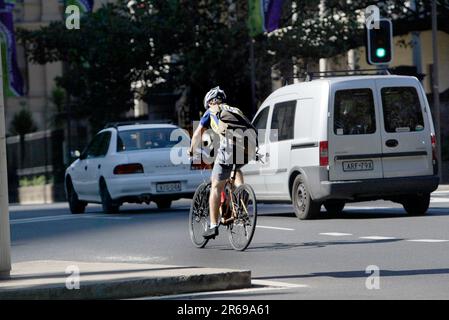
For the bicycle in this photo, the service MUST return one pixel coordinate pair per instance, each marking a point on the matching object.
(238, 213)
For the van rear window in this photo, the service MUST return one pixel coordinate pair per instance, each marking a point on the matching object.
(354, 112)
(402, 109)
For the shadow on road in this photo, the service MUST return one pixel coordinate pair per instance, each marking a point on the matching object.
(360, 274)
(306, 245)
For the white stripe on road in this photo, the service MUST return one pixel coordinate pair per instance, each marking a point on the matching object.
(106, 218)
(275, 228)
(439, 200)
(267, 286)
(377, 238)
(428, 240)
(63, 217)
(42, 219)
(335, 234)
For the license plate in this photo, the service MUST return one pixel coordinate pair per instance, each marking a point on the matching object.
(358, 165)
(168, 187)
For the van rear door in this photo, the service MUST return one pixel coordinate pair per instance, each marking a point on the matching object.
(406, 133)
(355, 150)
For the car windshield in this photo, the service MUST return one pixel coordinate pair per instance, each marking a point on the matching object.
(143, 139)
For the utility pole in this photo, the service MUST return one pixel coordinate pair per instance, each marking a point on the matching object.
(5, 240)
(435, 82)
(253, 77)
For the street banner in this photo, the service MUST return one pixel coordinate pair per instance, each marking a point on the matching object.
(85, 6)
(12, 79)
(264, 15)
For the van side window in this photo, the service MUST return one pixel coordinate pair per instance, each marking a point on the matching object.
(402, 109)
(354, 112)
(260, 122)
(282, 123)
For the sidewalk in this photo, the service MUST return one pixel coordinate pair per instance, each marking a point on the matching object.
(47, 280)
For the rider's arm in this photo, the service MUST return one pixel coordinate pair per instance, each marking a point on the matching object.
(196, 138)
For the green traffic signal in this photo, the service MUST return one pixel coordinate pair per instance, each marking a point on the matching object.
(381, 52)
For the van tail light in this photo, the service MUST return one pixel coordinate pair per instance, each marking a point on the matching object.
(129, 168)
(433, 140)
(324, 153)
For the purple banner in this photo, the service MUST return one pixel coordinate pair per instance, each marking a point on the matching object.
(12, 79)
(272, 11)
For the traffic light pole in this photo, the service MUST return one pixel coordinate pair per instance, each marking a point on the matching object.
(5, 241)
(435, 87)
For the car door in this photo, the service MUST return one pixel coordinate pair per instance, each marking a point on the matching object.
(253, 171)
(354, 132)
(95, 161)
(281, 134)
(81, 178)
(406, 138)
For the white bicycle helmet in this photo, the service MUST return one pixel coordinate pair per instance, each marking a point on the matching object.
(214, 93)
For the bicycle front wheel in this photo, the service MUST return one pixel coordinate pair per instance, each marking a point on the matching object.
(199, 215)
(241, 231)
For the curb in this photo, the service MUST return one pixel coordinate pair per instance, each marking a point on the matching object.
(133, 288)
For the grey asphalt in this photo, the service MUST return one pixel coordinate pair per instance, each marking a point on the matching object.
(324, 258)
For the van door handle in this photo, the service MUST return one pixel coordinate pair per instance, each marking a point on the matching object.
(392, 143)
(99, 166)
(85, 168)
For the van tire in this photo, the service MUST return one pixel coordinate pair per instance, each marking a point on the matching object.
(417, 205)
(109, 206)
(303, 204)
(334, 207)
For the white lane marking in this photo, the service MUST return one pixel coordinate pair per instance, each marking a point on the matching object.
(277, 284)
(335, 234)
(272, 286)
(42, 219)
(440, 192)
(275, 228)
(377, 238)
(107, 218)
(428, 240)
(439, 200)
(369, 208)
(62, 217)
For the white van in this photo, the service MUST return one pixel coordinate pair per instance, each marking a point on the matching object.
(346, 139)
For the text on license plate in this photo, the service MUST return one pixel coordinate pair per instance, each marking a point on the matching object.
(358, 165)
(168, 187)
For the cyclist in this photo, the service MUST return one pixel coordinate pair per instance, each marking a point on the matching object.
(226, 157)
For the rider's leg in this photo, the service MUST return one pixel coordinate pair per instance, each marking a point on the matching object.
(239, 178)
(217, 187)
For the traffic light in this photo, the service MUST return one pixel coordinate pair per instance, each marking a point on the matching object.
(379, 45)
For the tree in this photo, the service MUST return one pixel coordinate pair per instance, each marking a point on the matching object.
(141, 47)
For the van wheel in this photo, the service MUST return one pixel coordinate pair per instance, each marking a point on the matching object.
(109, 206)
(334, 207)
(163, 204)
(305, 208)
(76, 206)
(417, 205)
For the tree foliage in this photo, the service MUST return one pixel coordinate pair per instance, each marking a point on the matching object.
(169, 45)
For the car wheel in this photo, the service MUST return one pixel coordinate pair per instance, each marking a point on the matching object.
(334, 207)
(305, 207)
(109, 206)
(417, 205)
(76, 206)
(163, 204)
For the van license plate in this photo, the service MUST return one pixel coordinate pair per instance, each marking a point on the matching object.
(168, 187)
(358, 165)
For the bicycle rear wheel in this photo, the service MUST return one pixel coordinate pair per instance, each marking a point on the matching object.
(199, 215)
(241, 231)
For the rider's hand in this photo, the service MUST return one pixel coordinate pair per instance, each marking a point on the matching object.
(190, 152)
